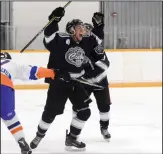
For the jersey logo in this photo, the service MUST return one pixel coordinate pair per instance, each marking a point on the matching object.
(99, 49)
(4, 71)
(75, 56)
(68, 41)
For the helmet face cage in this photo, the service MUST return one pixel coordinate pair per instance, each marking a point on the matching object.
(88, 27)
(71, 25)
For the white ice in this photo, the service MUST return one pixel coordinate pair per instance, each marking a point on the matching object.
(135, 126)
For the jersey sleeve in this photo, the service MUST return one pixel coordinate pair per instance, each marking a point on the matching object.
(99, 31)
(27, 72)
(98, 48)
(50, 36)
(103, 63)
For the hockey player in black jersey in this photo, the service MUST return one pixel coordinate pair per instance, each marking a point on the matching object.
(98, 76)
(68, 54)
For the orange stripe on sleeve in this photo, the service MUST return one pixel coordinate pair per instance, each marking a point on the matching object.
(17, 129)
(45, 73)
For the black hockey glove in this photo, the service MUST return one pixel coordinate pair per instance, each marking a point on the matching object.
(62, 75)
(98, 19)
(58, 13)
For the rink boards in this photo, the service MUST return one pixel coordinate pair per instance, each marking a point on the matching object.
(128, 67)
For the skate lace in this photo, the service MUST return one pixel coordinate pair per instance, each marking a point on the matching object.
(78, 142)
(22, 144)
(105, 132)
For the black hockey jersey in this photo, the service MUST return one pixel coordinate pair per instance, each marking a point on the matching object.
(99, 74)
(68, 55)
(99, 31)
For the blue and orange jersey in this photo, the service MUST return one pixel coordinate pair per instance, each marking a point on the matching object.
(11, 70)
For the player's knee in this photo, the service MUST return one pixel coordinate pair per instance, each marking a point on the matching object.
(48, 116)
(84, 114)
(104, 107)
(8, 116)
(59, 111)
(74, 108)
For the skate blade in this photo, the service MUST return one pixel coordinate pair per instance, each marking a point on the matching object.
(29, 152)
(107, 139)
(71, 148)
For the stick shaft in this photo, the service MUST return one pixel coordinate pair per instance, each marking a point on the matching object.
(87, 83)
(42, 29)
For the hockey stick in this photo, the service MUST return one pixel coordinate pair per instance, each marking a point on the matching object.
(87, 83)
(42, 29)
(83, 82)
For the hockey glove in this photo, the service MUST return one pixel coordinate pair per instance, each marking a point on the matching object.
(62, 75)
(58, 13)
(98, 19)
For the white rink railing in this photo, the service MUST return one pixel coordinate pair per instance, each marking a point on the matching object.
(125, 67)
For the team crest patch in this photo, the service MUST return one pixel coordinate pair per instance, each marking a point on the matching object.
(75, 56)
(68, 41)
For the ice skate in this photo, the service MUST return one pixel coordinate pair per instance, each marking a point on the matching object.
(106, 135)
(71, 144)
(35, 142)
(25, 149)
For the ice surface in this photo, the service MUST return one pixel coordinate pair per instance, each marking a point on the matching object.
(135, 126)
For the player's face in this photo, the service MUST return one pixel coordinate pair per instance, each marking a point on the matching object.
(79, 31)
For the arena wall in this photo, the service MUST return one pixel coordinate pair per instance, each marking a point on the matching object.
(30, 17)
(36, 14)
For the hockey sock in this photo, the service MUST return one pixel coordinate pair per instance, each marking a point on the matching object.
(15, 128)
(104, 119)
(42, 128)
(76, 127)
(74, 113)
(78, 122)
